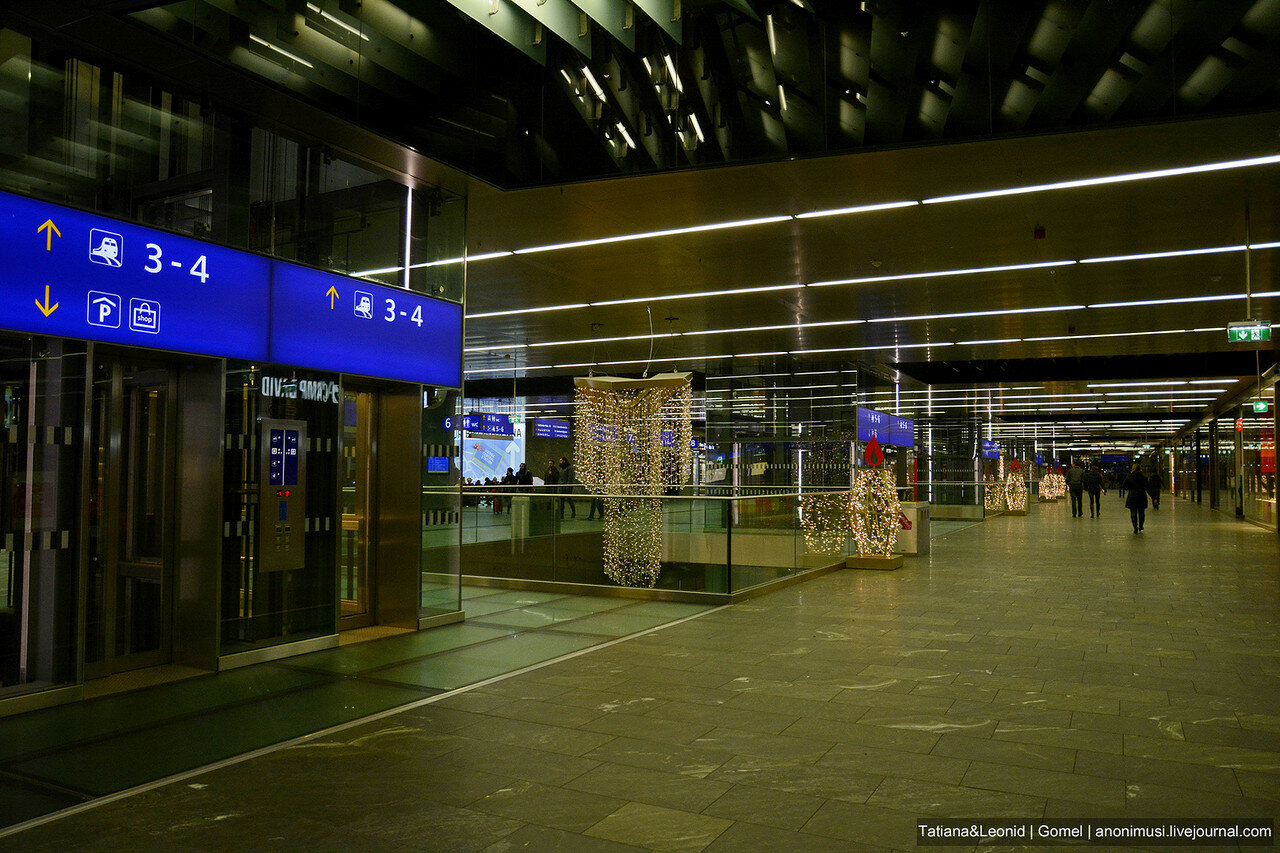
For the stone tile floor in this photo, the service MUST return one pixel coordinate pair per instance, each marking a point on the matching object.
(1030, 667)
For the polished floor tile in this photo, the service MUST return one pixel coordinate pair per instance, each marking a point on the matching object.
(1029, 667)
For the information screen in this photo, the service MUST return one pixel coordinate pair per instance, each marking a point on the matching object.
(547, 428)
(331, 322)
(73, 274)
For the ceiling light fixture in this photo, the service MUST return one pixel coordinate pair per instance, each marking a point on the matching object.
(1201, 168)
(669, 232)
(862, 208)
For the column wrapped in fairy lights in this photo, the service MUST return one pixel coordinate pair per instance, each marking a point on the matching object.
(1015, 488)
(874, 509)
(633, 442)
(824, 517)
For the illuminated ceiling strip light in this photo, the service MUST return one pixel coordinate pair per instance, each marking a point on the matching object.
(330, 18)
(1111, 179)
(528, 310)
(631, 143)
(1156, 395)
(1179, 253)
(1136, 384)
(940, 273)
(718, 226)
(993, 313)
(675, 78)
(864, 208)
(1116, 335)
(382, 271)
(697, 128)
(591, 81)
(279, 50)
(675, 296)
(869, 348)
(1175, 301)
(990, 341)
(1275, 245)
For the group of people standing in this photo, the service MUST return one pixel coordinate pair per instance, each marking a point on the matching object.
(1139, 486)
(558, 478)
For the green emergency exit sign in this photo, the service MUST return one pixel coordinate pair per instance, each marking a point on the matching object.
(1260, 406)
(1248, 332)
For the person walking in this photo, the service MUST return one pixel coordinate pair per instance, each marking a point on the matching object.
(524, 477)
(1075, 486)
(1136, 485)
(1153, 489)
(1094, 486)
(566, 487)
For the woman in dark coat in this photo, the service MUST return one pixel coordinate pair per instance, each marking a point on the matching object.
(1136, 485)
(1153, 489)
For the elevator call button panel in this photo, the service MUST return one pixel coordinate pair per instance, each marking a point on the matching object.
(282, 495)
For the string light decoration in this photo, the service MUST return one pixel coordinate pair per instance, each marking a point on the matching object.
(823, 518)
(824, 466)
(633, 442)
(1015, 488)
(874, 508)
(1053, 486)
(992, 494)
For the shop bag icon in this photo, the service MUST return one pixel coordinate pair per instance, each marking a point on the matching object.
(144, 316)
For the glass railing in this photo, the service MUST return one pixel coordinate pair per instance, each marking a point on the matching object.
(704, 543)
(709, 539)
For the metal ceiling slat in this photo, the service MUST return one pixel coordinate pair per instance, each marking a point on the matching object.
(614, 16)
(507, 21)
(562, 18)
(666, 14)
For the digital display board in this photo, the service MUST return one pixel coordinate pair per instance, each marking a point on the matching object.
(1115, 459)
(545, 428)
(902, 432)
(990, 449)
(73, 274)
(330, 322)
(69, 273)
(437, 464)
(1039, 458)
(873, 423)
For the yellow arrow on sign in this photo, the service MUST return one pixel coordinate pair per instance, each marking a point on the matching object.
(45, 307)
(332, 294)
(50, 229)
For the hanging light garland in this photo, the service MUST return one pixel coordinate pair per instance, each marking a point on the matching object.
(633, 442)
(874, 508)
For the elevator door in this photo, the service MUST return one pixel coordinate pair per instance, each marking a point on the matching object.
(356, 562)
(130, 581)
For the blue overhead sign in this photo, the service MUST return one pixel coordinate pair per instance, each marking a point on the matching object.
(74, 274)
(488, 423)
(331, 322)
(902, 432)
(990, 449)
(873, 423)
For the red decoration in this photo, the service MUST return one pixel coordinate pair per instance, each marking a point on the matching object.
(1016, 466)
(873, 454)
